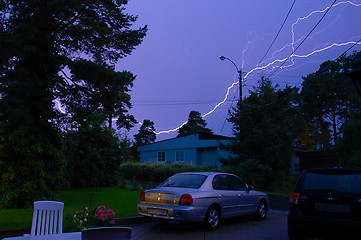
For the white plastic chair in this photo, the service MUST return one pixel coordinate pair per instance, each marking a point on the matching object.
(47, 218)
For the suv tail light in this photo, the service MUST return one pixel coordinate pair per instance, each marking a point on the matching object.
(295, 198)
(142, 196)
(186, 199)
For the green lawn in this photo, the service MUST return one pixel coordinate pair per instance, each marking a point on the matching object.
(123, 202)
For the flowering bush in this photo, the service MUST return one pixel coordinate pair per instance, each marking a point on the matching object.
(99, 217)
(82, 219)
(104, 217)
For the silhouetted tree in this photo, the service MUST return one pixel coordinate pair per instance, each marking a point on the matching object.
(195, 124)
(146, 133)
(39, 39)
(97, 87)
(93, 153)
(328, 99)
(266, 125)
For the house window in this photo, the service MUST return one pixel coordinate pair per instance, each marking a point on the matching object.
(161, 157)
(179, 156)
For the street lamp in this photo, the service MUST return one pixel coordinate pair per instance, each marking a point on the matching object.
(239, 75)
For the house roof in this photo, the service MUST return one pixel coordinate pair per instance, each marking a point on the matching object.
(199, 140)
(209, 136)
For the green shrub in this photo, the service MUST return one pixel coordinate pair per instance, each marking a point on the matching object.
(144, 172)
(94, 155)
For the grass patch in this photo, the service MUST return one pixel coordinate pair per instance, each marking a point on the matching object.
(122, 201)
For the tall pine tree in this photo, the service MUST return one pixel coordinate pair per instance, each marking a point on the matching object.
(39, 39)
(195, 124)
(265, 125)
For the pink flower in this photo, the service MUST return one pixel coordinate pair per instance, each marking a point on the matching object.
(111, 213)
(101, 208)
(104, 214)
(99, 215)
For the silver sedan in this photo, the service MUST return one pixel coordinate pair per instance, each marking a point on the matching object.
(202, 196)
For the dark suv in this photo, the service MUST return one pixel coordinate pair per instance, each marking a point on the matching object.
(326, 203)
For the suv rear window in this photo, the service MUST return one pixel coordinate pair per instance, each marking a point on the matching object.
(335, 182)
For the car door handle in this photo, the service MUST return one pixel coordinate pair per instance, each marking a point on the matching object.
(220, 196)
(240, 195)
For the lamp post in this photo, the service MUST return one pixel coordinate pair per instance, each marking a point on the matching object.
(239, 75)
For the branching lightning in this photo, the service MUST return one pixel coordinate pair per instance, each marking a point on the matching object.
(269, 66)
(274, 64)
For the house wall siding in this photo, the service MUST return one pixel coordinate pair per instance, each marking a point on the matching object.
(200, 152)
(190, 156)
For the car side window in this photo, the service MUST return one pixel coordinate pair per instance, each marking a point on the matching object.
(228, 182)
(220, 182)
(236, 184)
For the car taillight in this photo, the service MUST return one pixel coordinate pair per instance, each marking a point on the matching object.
(142, 196)
(186, 199)
(295, 198)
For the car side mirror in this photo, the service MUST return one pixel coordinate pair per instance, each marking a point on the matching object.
(249, 188)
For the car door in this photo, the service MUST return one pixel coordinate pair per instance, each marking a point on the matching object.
(227, 198)
(244, 199)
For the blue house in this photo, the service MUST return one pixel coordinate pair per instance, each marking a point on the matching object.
(199, 149)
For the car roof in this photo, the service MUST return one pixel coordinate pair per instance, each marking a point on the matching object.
(208, 174)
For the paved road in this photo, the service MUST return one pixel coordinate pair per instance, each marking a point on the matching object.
(273, 228)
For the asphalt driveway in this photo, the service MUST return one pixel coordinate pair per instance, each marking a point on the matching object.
(274, 227)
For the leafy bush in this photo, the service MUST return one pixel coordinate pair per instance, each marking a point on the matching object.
(144, 172)
(32, 164)
(94, 155)
(99, 217)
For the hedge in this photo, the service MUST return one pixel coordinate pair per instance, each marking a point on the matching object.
(145, 172)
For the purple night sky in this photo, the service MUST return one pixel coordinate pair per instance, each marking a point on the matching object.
(178, 67)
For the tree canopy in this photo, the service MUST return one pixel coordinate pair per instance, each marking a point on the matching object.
(328, 101)
(195, 124)
(266, 125)
(97, 87)
(93, 154)
(146, 133)
(39, 39)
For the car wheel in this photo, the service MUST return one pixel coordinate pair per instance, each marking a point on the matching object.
(261, 213)
(212, 218)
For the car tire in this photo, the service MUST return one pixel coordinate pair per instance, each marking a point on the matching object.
(212, 218)
(262, 210)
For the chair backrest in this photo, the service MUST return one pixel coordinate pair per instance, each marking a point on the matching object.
(106, 233)
(47, 218)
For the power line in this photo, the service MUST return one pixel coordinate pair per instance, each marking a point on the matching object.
(348, 49)
(284, 21)
(176, 103)
(319, 21)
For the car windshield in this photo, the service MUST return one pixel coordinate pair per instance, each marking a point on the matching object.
(345, 183)
(185, 181)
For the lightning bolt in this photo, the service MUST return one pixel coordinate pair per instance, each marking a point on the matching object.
(205, 115)
(273, 64)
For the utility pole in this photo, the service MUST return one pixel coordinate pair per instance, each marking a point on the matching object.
(240, 85)
(239, 75)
